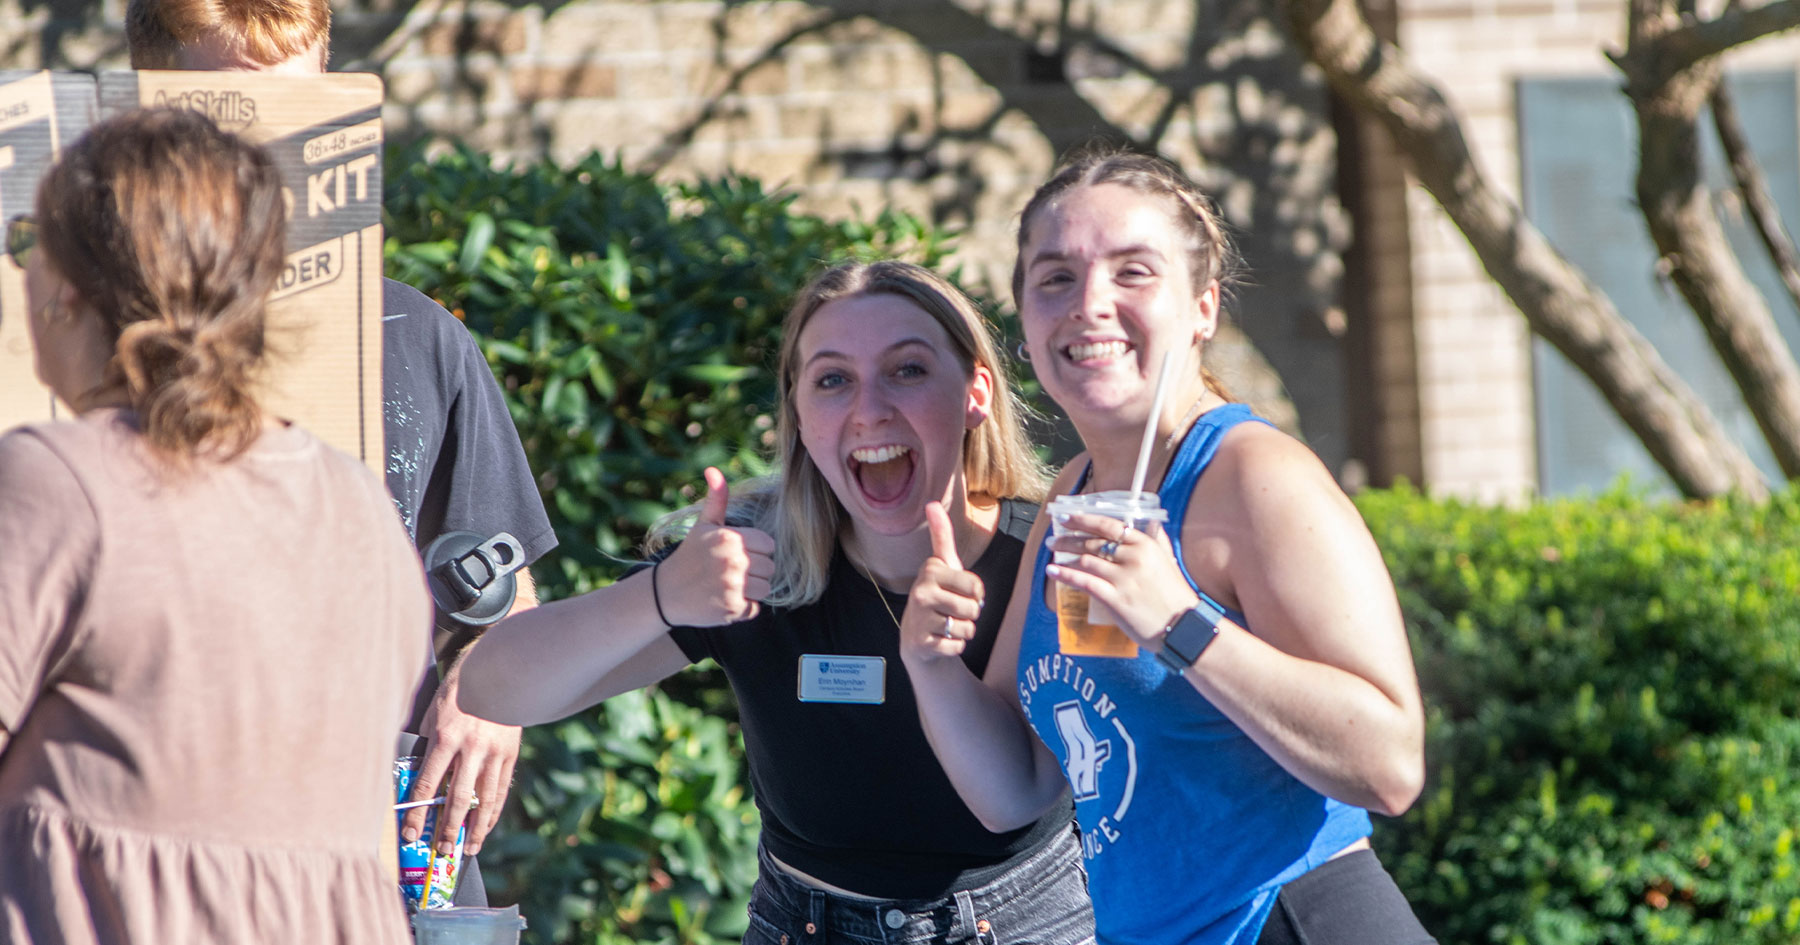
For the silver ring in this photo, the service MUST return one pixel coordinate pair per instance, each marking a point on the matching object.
(945, 632)
(1109, 549)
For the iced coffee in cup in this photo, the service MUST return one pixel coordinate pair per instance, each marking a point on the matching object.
(1084, 626)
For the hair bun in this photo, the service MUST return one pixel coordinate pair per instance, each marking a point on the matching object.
(150, 354)
(191, 385)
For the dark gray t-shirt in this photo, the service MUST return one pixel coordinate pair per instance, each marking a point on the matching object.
(454, 458)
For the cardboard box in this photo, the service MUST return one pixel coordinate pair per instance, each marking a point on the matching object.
(40, 112)
(325, 315)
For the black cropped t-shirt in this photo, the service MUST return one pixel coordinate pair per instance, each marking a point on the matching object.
(853, 794)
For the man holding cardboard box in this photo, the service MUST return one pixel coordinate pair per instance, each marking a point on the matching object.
(454, 458)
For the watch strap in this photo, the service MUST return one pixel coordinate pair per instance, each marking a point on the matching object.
(1188, 635)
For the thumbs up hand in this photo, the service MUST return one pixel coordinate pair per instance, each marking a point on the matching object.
(718, 573)
(944, 601)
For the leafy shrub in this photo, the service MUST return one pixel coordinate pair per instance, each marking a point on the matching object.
(1613, 692)
(1612, 686)
(633, 824)
(633, 327)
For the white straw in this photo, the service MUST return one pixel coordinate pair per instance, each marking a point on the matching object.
(409, 805)
(1162, 391)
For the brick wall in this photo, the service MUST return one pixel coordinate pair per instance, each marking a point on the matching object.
(1476, 426)
(954, 109)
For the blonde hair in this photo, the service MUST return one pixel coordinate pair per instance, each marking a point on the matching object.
(796, 506)
(261, 31)
(1211, 256)
(173, 233)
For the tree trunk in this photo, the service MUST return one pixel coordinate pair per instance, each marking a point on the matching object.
(1556, 299)
(1689, 238)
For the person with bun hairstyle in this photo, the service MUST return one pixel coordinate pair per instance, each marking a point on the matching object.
(1261, 698)
(891, 394)
(201, 605)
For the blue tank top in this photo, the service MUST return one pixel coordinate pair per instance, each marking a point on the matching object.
(1188, 828)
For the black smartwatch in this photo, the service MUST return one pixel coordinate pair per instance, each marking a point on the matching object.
(1189, 635)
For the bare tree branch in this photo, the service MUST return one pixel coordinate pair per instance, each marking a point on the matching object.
(1691, 241)
(1735, 27)
(673, 142)
(1754, 188)
(1555, 298)
(418, 17)
(1058, 110)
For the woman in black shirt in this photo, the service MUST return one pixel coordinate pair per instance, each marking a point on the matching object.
(893, 406)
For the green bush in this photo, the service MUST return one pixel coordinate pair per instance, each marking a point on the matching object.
(633, 327)
(1612, 685)
(632, 324)
(1613, 692)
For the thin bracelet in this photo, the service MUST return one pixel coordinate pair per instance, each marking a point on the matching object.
(656, 595)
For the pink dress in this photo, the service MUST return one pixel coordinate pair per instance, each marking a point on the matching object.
(201, 676)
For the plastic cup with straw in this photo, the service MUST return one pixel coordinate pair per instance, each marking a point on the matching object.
(1086, 627)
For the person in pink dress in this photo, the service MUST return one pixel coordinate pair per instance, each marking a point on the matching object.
(201, 606)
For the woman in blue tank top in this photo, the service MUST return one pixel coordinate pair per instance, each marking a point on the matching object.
(1244, 693)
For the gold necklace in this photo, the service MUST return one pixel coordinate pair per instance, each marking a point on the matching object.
(1185, 422)
(880, 594)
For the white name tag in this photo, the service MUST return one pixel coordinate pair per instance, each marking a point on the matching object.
(861, 679)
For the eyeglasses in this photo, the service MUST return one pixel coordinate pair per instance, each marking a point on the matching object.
(21, 237)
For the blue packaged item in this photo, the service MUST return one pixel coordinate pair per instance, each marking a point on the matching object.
(427, 877)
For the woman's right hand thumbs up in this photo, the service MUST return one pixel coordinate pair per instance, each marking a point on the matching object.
(945, 598)
(718, 573)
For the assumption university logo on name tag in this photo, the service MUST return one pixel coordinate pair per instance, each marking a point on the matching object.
(855, 679)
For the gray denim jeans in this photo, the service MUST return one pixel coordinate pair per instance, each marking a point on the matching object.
(1041, 901)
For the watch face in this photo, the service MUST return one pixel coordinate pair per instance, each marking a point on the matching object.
(1192, 633)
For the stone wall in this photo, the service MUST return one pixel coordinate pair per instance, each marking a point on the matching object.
(951, 108)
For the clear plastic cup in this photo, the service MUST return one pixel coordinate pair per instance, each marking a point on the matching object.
(1084, 626)
(467, 925)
